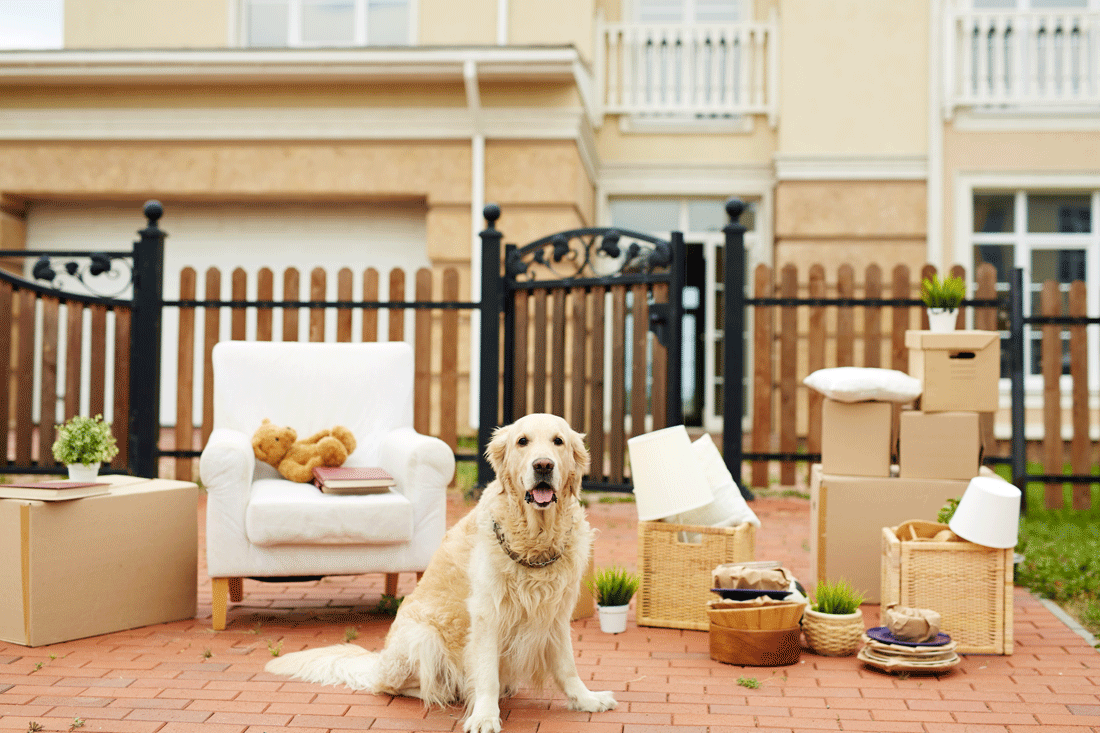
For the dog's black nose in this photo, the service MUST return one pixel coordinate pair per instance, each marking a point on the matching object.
(543, 465)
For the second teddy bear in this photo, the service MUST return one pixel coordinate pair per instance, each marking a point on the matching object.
(295, 459)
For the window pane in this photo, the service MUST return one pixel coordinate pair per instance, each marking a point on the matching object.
(995, 4)
(267, 22)
(388, 23)
(328, 22)
(1044, 4)
(660, 11)
(717, 11)
(1001, 256)
(994, 212)
(1059, 213)
(645, 215)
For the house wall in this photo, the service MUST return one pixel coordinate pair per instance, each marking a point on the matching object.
(1021, 154)
(146, 24)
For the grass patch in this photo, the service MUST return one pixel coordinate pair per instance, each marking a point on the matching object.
(1061, 549)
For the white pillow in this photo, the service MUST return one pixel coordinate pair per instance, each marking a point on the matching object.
(860, 384)
(728, 508)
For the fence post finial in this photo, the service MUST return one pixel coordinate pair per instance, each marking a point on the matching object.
(491, 212)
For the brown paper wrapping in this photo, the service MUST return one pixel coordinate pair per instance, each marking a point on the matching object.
(911, 624)
(739, 576)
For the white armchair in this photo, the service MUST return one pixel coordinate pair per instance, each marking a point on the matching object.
(259, 525)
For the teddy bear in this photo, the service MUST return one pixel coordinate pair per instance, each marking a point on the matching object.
(295, 459)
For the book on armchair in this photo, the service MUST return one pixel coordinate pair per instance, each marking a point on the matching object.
(352, 480)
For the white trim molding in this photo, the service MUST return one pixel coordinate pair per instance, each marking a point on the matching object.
(794, 167)
(295, 64)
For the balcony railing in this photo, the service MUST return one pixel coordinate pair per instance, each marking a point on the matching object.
(702, 70)
(1022, 60)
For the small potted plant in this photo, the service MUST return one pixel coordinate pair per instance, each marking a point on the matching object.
(942, 298)
(82, 444)
(833, 624)
(613, 588)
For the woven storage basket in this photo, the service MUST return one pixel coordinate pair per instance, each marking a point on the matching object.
(970, 585)
(676, 574)
(832, 635)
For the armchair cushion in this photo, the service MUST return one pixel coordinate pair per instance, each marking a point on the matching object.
(286, 513)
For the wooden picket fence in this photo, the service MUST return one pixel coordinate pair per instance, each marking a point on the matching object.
(791, 341)
(42, 340)
(435, 337)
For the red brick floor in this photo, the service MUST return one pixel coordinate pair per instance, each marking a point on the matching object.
(182, 676)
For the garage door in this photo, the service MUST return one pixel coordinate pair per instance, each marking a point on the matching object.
(250, 236)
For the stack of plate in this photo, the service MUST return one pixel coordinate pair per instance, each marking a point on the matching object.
(886, 652)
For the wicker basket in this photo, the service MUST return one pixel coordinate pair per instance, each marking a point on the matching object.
(676, 572)
(970, 585)
(833, 635)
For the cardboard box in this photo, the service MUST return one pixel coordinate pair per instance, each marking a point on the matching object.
(960, 370)
(847, 514)
(939, 445)
(856, 437)
(79, 568)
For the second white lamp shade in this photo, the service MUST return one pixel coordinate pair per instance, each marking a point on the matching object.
(668, 478)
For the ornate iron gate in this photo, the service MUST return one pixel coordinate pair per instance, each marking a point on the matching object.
(571, 316)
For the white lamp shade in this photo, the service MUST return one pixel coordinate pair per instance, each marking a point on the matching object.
(668, 477)
(988, 513)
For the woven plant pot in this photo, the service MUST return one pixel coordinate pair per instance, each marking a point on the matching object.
(833, 635)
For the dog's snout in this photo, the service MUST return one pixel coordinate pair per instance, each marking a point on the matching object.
(543, 465)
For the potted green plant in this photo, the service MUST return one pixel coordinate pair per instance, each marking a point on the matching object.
(833, 624)
(942, 299)
(82, 444)
(613, 588)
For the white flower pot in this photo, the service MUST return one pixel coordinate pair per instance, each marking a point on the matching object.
(86, 472)
(942, 320)
(613, 619)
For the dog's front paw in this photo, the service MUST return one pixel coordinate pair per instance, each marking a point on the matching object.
(593, 702)
(483, 723)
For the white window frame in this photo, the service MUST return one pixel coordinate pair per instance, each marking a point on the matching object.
(1024, 243)
(294, 25)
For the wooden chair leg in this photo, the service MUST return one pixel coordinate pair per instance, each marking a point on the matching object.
(220, 602)
(391, 584)
(236, 589)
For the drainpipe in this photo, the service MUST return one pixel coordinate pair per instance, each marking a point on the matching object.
(502, 22)
(477, 204)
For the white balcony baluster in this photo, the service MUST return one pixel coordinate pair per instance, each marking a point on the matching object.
(700, 70)
(1023, 60)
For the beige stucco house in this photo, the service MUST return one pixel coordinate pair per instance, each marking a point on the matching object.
(295, 132)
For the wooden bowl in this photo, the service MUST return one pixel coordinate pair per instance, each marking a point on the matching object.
(772, 616)
(762, 648)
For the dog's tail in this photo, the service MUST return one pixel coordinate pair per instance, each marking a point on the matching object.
(342, 664)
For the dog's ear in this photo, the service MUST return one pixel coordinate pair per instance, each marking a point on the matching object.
(494, 453)
(581, 457)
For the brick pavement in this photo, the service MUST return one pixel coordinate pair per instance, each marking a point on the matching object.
(179, 677)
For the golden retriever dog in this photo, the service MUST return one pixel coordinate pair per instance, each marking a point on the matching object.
(492, 610)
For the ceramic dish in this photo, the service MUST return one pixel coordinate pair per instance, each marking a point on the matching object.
(902, 665)
(882, 634)
(745, 594)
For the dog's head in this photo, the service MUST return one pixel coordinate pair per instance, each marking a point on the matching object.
(538, 458)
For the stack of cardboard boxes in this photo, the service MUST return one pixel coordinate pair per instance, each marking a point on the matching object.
(856, 490)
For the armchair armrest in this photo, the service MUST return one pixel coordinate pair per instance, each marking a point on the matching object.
(419, 463)
(227, 464)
